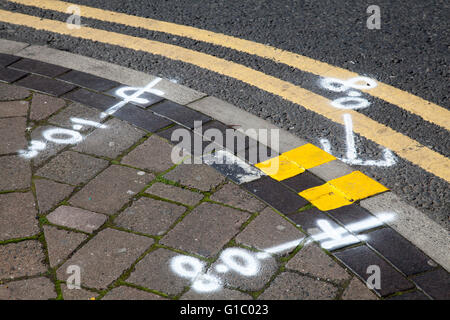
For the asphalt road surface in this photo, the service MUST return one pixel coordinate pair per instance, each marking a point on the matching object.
(410, 52)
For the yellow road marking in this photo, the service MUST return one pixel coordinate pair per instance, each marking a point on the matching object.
(343, 191)
(404, 146)
(279, 168)
(416, 105)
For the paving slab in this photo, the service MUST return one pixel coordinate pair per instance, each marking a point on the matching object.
(206, 229)
(154, 272)
(76, 294)
(15, 173)
(312, 260)
(154, 155)
(357, 290)
(110, 141)
(150, 216)
(105, 257)
(11, 92)
(43, 106)
(25, 258)
(30, 289)
(223, 294)
(291, 286)
(51, 148)
(12, 131)
(128, 293)
(270, 230)
(50, 193)
(75, 110)
(234, 196)
(76, 218)
(173, 193)
(72, 168)
(111, 189)
(17, 216)
(436, 283)
(61, 243)
(13, 109)
(198, 176)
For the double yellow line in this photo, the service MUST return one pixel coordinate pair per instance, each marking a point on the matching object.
(404, 146)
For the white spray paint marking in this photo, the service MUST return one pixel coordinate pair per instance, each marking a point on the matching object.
(73, 137)
(91, 123)
(135, 97)
(351, 154)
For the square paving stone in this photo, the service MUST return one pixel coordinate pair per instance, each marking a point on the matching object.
(399, 251)
(357, 290)
(291, 286)
(12, 133)
(105, 257)
(7, 59)
(198, 176)
(111, 141)
(15, 173)
(72, 168)
(128, 293)
(154, 272)
(351, 214)
(150, 216)
(206, 229)
(76, 294)
(10, 92)
(11, 75)
(79, 111)
(239, 276)
(360, 258)
(312, 260)
(91, 99)
(173, 193)
(142, 118)
(151, 98)
(179, 113)
(235, 196)
(269, 230)
(111, 189)
(30, 289)
(88, 80)
(222, 294)
(13, 109)
(61, 243)
(34, 66)
(43, 106)
(76, 218)
(51, 148)
(21, 259)
(276, 195)
(46, 85)
(50, 193)
(17, 216)
(436, 283)
(303, 181)
(154, 155)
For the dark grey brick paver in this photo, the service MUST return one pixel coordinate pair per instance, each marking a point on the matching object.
(104, 258)
(43, 68)
(436, 283)
(150, 216)
(206, 229)
(111, 189)
(17, 216)
(72, 168)
(20, 259)
(45, 85)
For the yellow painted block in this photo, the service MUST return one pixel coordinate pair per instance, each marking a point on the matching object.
(357, 185)
(279, 168)
(308, 156)
(325, 197)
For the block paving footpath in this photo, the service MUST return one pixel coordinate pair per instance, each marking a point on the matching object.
(140, 227)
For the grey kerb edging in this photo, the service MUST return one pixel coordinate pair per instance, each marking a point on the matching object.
(412, 224)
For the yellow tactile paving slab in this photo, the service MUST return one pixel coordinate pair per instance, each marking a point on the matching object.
(343, 191)
(308, 156)
(279, 168)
